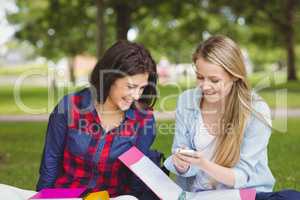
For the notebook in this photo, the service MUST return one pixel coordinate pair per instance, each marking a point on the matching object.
(165, 188)
(150, 174)
(59, 194)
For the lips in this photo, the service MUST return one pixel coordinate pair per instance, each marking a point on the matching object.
(209, 93)
(129, 102)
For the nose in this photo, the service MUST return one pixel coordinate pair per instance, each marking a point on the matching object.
(205, 85)
(136, 94)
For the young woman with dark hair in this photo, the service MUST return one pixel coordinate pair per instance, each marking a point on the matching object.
(89, 129)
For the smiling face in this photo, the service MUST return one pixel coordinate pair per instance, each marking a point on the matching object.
(126, 90)
(214, 81)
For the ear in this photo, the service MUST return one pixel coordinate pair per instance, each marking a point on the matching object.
(235, 78)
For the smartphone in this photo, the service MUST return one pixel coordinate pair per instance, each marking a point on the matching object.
(187, 152)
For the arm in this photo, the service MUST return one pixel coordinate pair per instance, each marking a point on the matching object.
(181, 139)
(219, 173)
(146, 134)
(254, 147)
(53, 150)
(254, 144)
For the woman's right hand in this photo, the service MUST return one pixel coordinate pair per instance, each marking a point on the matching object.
(180, 165)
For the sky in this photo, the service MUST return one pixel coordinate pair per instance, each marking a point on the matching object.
(6, 30)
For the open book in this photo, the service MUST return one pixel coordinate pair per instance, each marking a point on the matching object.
(166, 189)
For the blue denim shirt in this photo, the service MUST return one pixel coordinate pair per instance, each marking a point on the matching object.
(252, 170)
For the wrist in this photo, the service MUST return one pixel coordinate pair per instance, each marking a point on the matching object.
(203, 163)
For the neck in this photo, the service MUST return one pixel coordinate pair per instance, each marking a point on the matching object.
(213, 107)
(108, 108)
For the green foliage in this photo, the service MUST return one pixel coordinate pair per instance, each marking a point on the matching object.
(169, 29)
(57, 28)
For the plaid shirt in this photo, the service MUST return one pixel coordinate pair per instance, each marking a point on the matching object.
(79, 153)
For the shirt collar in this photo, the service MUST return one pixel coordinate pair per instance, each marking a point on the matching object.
(193, 100)
(129, 114)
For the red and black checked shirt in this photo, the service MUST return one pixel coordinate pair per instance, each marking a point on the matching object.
(79, 153)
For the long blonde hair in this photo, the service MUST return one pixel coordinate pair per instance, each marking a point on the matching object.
(222, 51)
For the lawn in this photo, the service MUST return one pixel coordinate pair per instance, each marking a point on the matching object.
(40, 100)
(21, 147)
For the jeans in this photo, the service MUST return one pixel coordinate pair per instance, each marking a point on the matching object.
(280, 195)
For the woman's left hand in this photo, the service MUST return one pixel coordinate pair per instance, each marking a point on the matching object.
(197, 159)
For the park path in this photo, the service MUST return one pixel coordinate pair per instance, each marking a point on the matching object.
(158, 116)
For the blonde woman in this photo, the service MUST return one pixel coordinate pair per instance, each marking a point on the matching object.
(226, 124)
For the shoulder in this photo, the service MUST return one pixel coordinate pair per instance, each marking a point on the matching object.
(260, 122)
(187, 94)
(79, 99)
(189, 98)
(140, 114)
(261, 109)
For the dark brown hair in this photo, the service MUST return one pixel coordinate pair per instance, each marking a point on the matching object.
(122, 59)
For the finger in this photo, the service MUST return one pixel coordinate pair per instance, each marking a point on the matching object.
(198, 154)
(181, 158)
(187, 159)
(178, 161)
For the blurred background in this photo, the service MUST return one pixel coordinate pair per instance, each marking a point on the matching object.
(49, 47)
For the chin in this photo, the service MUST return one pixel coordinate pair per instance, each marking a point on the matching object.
(212, 99)
(124, 107)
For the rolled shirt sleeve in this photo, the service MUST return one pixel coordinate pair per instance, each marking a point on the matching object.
(254, 148)
(53, 149)
(181, 138)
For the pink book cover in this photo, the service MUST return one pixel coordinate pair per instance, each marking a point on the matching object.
(164, 187)
(53, 193)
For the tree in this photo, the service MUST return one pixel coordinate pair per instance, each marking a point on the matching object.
(125, 11)
(280, 15)
(101, 28)
(58, 28)
(174, 28)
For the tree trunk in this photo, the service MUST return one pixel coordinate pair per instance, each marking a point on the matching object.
(123, 20)
(101, 29)
(289, 39)
(71, 71)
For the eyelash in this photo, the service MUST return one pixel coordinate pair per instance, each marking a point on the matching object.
(133, 87)
(213, 81)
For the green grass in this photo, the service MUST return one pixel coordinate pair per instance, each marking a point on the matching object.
(24, 68)
(40, 100)
(21, 147)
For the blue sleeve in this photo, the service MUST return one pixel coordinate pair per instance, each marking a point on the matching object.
(51, 162)
(146, 135)
(145, 139)
(181, 138)
(254, 148)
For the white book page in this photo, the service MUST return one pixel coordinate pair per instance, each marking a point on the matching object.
(8, 192)
(124, 197)
(215, 195)
(164, 187)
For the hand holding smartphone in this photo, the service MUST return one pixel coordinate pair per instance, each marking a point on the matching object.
(187, 152)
